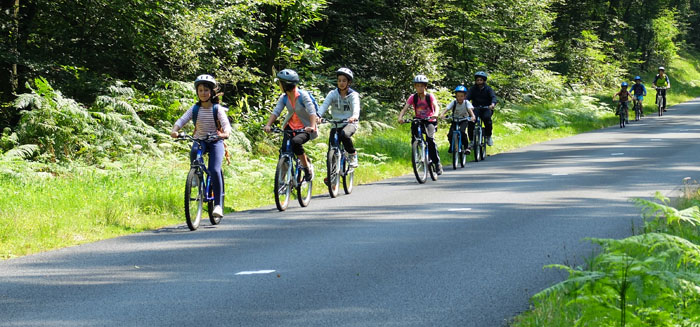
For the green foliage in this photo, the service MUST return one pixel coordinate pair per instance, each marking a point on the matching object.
(663, 47)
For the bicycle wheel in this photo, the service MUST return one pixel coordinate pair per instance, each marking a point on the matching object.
(637, 111)
(477, 144)
(210, 205)
(622, 118)
(456, 150)
(333, 171)
(194, 198)
(304, 192)
(482, 151)
(462, 156)
(283, 183)
(420, 166)
(660, 105)
(348, 177)
(432, 169)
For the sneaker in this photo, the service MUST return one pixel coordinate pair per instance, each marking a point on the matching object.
(468, 150)
(217, 212)
(489, 141)
(325, 181)
(439, 169)
(309, 173)
(353, 161)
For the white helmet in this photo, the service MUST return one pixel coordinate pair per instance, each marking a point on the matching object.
(420, 79)
(205, 78)
(345, 71)
(662, 68)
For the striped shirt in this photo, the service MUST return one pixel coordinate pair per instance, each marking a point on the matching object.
(205, 121)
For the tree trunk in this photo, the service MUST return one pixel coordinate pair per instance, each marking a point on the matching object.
(14, 79)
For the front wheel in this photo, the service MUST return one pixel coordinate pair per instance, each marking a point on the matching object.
(214, 220)
(419, 160)
(304, 192)
(482, 152)
(348, 177)
(622, 118)
(477, 144)
(194, 199)
(660, 105)
(456, 150)
(333, 171)
(283, 183)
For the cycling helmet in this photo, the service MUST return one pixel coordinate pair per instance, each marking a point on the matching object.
(345, 71)
(662, 68)
(623, 84)
(481, 74)
(205, 78)
(460, 88)
(637, 78)
(420, 79)
(288, 76)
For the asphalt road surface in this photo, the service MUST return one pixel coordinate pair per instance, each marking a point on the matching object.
(467, 250)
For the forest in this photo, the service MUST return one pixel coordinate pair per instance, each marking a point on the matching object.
(87, 80)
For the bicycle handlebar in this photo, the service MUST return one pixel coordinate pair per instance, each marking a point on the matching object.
(416, 119)
(210, 137)
(279, 130)
(458, 120)
(327, 121)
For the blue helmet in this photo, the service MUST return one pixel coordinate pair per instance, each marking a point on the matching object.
(637, 78)
(288, 76)
(623, 84)
(481, 74)
(460, 88)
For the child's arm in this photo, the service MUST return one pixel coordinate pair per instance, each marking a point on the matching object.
(403, 111)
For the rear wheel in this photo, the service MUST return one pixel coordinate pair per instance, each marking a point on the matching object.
(283, 183)
(420, 161)
(194, 199)
(304, 192)
(456, 150)
(433, 169)
(333, 171)
(348, 177)
(477, 144)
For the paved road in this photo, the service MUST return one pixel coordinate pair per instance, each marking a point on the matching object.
(456, 252)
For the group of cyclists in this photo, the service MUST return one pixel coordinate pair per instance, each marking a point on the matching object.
(638, 91)
(343, 103)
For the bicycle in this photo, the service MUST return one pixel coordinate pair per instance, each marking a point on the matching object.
(459, 154)
(638, 109)
(422, 164)
(479, 147)
(198, 186)
(660, 100)
(623, 113)
(337, 165)
(289, 175)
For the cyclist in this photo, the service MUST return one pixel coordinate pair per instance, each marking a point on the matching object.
(344, 103)
(482, 95)
(425, 106)
(639, 91)
(661, 81)
(301, 114)
(625, 96)
(211, 119)
(460, 108)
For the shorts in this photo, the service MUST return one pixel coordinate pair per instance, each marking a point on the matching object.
(639, 97)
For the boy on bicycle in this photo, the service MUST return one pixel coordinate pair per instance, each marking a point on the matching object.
(344, 104)
(301, 114)
(625, 96)
(210, 120)
(662, 83)
(639, 91)
(425, 106)
(460, 108)
(482, 95)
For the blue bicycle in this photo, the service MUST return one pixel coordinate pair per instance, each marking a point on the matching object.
(337, 165)
(198, 186)
(422, 164)
(459, 153)
(289, 174)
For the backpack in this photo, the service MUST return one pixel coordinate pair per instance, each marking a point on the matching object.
(215, 110)
(427, 98)
(313, 100)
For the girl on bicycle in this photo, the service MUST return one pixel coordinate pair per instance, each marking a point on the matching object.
(625, 96)
(425, 106)
(639, 91)
(460, 108)
(344, 104)
(301, 114)
(210, 120)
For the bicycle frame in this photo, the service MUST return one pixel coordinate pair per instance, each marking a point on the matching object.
(420, 122)
(455, 123)
(198, 164)
(295, 167)
(335, 143)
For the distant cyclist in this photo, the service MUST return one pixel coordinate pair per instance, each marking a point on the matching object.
(639, 91)
(460, 107)
(425, 106)
(482, 95)
(344, 103)
(210, 119)
(624, 96)
(301, 114)
(662, 82)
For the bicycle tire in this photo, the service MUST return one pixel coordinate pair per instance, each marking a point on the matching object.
(333, 171)
(462, 156)
(622, 117)
(482, 153)
(210, 205)
(456, 150)
(432, 170)
(304, 190)
(419, 161)
(659, 104)
(348, 177)
(283, 183)
(193, 205)
(477, 143)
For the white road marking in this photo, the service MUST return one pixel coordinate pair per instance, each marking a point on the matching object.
(560, 174)
(656, 139)
(460, 209)
(617, 154)
(255, 272)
